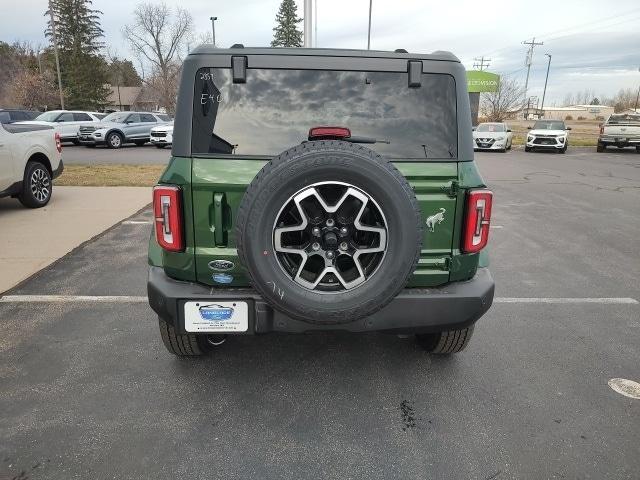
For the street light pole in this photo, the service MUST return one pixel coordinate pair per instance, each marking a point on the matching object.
(544, 92)
(55, 50)
(369, 31)
(213, 29)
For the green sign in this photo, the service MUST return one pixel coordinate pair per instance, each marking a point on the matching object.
(480, 81)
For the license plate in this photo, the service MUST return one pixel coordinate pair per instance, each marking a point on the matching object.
(213, 316)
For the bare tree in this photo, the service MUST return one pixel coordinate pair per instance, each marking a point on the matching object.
(504, 102)
(33, 91)
(157, 36)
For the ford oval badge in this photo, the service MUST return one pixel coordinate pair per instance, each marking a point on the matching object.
(221, 265)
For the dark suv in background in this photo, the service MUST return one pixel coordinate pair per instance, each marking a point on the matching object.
(9, 115)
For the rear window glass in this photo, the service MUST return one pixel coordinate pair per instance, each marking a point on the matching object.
(624, 118)
(548, 125)
(275, 109)
(490, 127)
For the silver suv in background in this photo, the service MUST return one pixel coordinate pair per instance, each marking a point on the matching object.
(119, 128)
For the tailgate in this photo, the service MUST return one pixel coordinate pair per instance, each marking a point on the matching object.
(219, 184)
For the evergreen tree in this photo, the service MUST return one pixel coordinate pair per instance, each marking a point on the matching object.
(123, 73)
(83, 69)
(286, 32)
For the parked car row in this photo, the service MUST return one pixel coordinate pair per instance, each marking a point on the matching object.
(119, 128)
(544, 135)
(93, 128)
(621, 130)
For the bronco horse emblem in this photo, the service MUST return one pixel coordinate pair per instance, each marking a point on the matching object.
(435, 219)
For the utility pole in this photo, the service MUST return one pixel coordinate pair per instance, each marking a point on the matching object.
(481, 63)
(532, 44)
(637, 97)
(308, 24)
(544, 92)
(213, 29)
(369, 30)
(55, 50)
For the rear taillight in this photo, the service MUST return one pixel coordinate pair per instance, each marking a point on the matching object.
(476, 220)
(58, 142)
(167, 211)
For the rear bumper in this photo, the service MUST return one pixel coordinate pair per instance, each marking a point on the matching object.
(58, 171)
(620, 141)
(415, 310)
(90, 141)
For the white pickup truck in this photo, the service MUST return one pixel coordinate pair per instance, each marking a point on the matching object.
(30, 158)
(620, 130)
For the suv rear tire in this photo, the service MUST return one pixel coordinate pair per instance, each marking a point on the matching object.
(36, 186)
(445, 343)
(338, 287)
(187, 344)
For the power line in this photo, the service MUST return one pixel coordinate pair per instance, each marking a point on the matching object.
(599, 24)
(482, 63)
(532, 44)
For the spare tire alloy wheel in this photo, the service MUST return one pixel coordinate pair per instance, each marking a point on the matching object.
(329, 248)
(329, 232)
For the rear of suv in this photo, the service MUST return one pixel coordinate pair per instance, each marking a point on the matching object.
(320, 190)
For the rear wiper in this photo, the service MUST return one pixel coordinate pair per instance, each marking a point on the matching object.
(365, 140)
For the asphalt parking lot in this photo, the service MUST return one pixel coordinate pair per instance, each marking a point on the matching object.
(88, 391)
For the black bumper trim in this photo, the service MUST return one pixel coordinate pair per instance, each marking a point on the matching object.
(415, 310)
(58, 171)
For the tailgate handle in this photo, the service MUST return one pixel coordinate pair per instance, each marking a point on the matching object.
(219, 204)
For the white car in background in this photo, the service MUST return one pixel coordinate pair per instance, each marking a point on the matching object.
(66, 122)
(162, 135)
(30, 158)
(548, 135)
(492, 136)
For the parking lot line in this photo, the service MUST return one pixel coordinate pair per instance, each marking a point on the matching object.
(143, 299)
(137, 222)
(605, 300)
(72, 299)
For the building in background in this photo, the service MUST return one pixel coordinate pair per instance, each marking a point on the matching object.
(142, 99)
(571, 112)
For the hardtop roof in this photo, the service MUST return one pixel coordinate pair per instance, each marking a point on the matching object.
(438, 55)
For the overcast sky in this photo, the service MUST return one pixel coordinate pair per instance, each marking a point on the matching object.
(595, 44)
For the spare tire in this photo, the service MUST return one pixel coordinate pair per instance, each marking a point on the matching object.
(329, 232)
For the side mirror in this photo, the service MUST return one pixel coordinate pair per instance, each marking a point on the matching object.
(128, 122)
(568, 128)
(529, 127)
(508, 130)
(473, 129)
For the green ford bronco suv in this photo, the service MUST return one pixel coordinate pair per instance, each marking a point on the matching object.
(320, 190)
